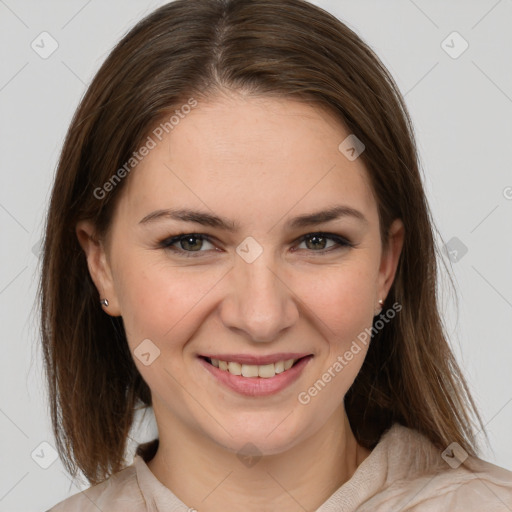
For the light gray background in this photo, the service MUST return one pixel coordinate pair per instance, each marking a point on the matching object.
(462, 111)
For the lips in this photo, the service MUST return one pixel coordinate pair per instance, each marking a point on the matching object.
(249, 381)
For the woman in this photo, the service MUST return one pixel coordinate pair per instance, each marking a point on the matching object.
(238, 237)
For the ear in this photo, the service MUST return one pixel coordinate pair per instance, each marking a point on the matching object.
(98, 264)
(390, 257)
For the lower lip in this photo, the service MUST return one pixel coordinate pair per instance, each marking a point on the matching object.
(257, 386)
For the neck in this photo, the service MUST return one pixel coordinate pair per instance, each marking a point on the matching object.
(209, 478)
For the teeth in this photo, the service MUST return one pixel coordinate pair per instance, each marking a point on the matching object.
(235, 368)
(249, 370)
(265, 371)
(279, 367)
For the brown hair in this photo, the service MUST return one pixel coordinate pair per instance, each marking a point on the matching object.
(196, 48)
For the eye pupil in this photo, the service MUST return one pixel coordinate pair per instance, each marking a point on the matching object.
(316, 237)
(186, 240)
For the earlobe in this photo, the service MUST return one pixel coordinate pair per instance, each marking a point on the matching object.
(391, 257)
(99, 267)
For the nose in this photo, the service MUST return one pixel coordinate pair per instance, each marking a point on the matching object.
(260, 302)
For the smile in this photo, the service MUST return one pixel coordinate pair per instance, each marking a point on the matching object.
(256, 379)
(265, 371)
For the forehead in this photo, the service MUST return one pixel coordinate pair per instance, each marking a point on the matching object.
(255, 154)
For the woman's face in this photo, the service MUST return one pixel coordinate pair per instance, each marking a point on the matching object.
(260, 276)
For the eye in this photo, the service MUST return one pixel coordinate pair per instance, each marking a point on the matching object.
(188, 243)
(318, 242)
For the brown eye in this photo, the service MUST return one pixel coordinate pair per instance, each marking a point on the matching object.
(188, 243)
(316, 242)
(191, 243)
(322, 242)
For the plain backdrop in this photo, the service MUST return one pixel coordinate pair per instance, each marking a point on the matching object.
(460, 100)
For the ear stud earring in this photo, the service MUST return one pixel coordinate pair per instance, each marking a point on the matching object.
(381, 303)
(104, 302)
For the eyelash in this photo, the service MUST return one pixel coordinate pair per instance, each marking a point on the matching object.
(168, 243)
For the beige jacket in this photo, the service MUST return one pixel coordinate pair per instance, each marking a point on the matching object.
(404, 473)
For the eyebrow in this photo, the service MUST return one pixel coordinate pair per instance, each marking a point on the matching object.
(214, 221)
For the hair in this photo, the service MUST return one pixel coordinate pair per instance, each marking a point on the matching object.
(199, 48)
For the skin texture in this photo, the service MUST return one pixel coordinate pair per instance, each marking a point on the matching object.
(257, 161)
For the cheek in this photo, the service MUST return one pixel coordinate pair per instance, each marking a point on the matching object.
(158, 299)
(342, 306)
(141, 296)
(341, 298)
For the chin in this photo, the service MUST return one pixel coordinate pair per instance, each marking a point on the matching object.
(269, 435)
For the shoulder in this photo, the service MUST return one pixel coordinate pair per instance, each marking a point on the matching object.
(119, 493)
(473, 487)
(420, 480)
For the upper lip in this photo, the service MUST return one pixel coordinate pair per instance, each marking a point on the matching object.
(256, 360)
